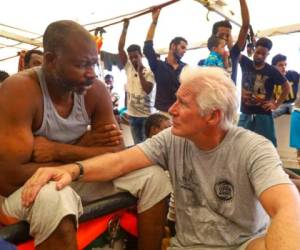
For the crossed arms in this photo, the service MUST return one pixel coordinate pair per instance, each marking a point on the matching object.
(21, 154)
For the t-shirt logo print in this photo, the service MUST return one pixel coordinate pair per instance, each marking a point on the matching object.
(224, 190)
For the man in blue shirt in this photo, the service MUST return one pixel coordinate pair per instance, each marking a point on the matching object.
(258, 81)
(279, 62)
(166, 72)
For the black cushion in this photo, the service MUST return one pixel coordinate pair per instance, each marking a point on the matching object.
(19, 232)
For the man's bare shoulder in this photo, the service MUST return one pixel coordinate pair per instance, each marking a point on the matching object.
(20, 91)
(98, 89)
(98, 93)
(21, 83)
(98, 104)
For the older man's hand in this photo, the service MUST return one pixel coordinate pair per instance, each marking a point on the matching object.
(40, 178)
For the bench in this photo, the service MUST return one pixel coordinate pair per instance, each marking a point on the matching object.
(19, 232)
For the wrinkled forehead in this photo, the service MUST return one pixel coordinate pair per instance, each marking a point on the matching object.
(186, 91)
(80, 49)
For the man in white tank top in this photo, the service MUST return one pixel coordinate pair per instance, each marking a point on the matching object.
(140, 87)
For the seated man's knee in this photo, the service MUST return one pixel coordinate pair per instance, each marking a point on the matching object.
(150, 185)
(49, 196)
(52, 210)
(157, 186)
(56, 203)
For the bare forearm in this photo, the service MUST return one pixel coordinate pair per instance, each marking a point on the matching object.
(71, 153)
(151, 31)
(284, 94)
(245, 14)
(122, 53)
(122, 40)
(100, 168)
(147, 86)
(245, 24)
(110, 166)
(283, 232)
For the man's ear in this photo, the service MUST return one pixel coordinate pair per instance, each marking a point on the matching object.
(173, 45)
(214, 118)
(50, 58)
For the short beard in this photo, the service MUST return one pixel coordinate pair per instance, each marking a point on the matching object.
(177, 57)
(62, 84)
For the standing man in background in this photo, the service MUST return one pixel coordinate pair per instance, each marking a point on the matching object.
(139, 88)
(166, 72)
(258, 81)
(279, 62)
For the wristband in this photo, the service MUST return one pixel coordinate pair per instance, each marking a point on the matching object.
(81, 170)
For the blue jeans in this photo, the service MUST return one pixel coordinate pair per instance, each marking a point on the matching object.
(285, 108)
(137, 127)
(260, 124)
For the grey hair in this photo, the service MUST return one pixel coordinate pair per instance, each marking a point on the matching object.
(214, 90)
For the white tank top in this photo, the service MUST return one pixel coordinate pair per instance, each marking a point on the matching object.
(56, 128)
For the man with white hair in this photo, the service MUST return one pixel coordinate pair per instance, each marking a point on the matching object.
(226, 179)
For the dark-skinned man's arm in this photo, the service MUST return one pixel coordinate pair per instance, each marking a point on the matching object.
(100, 108)
(121, 45)
(17, 107)
(245, 25)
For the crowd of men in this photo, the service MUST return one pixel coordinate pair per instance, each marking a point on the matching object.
(63, 146)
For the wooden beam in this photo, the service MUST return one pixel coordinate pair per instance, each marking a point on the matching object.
(22, 39)
(282, 30)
